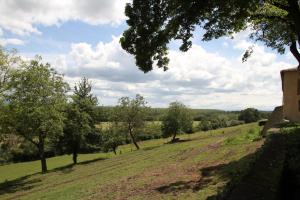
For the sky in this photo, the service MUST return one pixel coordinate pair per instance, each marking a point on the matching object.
(81, 38)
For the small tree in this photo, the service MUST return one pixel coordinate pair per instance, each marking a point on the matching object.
(249, 115)
(132, 114)
(80, 117)
(178, 119)
(36, 100)
(112, 138)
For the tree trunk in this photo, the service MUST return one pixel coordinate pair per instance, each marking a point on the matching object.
(42, 154)
(114, 149)
(75, 154)
(295, 52)
(74, 157)
(44, 163)
(174, 137)
(133, 140)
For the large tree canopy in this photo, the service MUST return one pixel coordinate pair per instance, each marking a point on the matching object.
(154, 23)
(34, 104)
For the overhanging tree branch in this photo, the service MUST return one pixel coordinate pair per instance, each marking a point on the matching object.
(30, 140)
(280, 6)
(269, 17)
(278, 18)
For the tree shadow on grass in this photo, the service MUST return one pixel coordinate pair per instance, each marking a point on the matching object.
(178, 140)
(91, 161)
(20, 184)
(151, 148)
(232, 171)
(29, 182)
(70, 167)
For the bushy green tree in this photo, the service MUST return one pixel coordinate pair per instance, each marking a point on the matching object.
(80, 120)
(35, 104)
(250, 115)
(112, 138)
(218, 122)
(177, 119)
(131, 113)
(152, 130)
(154, 23)
(205, 125)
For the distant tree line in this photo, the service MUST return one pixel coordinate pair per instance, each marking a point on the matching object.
(157, 114)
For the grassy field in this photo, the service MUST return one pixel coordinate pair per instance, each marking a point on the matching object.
(198, 167)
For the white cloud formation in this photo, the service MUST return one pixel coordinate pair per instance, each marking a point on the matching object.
(13, 41)
(198, 78)
(22, 16)
(7, 41)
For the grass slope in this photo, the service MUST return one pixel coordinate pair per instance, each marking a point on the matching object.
(199, 167)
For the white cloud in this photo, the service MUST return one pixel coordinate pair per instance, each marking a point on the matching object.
(13, 41)
(7, 41)
(198, 78)
(22, 16)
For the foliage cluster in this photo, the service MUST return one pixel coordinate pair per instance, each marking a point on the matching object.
(250, 115)
(152, 25)
(177, 120)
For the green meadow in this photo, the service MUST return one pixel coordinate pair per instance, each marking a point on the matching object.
(198, 167)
